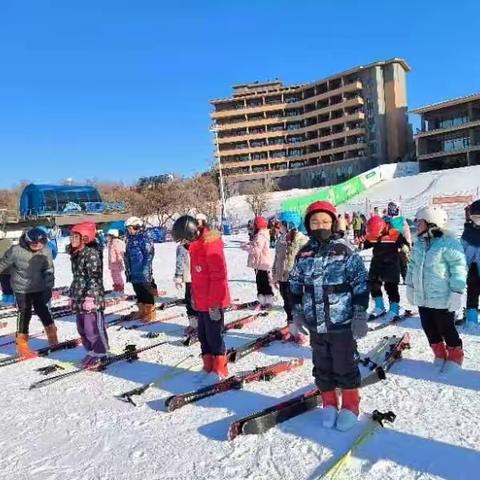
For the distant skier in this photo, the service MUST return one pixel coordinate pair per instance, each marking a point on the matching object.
(260, 259)
(116, 260)
(210, 292)
(30, 265)
(471, 245)
(290, 241)
(436, 279)
(398, 222)
(139, 253)
(87, 293)
(202, 221)
(184, 277)
(329, 290)
(385, 266)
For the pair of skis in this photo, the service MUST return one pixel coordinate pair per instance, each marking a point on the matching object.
(235, 382)
(233, 354)
(235, 325)
(379, 361)
(130, 354)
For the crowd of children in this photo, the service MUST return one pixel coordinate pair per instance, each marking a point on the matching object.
(320, 276)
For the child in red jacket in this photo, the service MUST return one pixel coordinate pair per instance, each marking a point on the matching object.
(210, 293)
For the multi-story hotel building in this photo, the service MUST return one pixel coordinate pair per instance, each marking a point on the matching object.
(315, 134)
(449, 136)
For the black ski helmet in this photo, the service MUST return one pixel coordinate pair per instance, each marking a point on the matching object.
(474, 208)
(36, 235)
(185, 228)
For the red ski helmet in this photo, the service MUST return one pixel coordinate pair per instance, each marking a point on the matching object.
(87, 230)
(375, 226)
(321, 206)
(260, 223)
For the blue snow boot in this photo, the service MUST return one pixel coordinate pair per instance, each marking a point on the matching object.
(379, 309)
(394, 312)
(8, 299)
(472, 316)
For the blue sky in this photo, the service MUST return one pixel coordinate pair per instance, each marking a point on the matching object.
(117, 89)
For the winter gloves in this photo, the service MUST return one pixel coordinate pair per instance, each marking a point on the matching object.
(454, 302)
(215, 314)
(298, 320)
(359, 322)
(178, 282)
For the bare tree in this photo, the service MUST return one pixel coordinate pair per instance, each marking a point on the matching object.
(257, 199)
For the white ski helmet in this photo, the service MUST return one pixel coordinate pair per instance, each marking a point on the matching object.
(133, 222)
(201, 216)
(113, 232)
(433, 215)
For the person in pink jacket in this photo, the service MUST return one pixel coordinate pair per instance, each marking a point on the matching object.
(116, 265)
(260, 259)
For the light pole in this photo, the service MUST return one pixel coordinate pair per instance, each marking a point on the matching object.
(220, 175)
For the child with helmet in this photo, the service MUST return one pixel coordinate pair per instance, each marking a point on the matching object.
(385, 266)
(30, 265)
(471, 245)
(289, 242)
(436, 279)
(87, 294)
(210, 292)
(329, 289)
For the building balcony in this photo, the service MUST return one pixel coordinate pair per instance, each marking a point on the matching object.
(350, 87)
(456, 128)
(281, 172)
(447, 153)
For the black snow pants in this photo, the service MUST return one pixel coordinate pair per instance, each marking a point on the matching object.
(334, 364)
(144, 293)
(439, 326)
(473, 286)
(210, 334)
(390, 288)
(188, 300)
(263, 283)
(285, 293)
(39, 302)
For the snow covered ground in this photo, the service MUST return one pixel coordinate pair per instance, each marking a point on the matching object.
(76, 429)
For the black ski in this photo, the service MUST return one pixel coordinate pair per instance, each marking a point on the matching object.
(234, 382)
(130, 354)
(42, 352)
(406, 314)
(234, 354)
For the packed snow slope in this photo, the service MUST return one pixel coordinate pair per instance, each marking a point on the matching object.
(78, 430)
(411, 191)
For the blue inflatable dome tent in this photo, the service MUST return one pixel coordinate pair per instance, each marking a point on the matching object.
(38, 200)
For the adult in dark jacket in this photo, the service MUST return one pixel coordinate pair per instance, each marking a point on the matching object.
(385, 267)
(210, 292)
(87, 293)
(139, 255)
(31, 268)
(471, 245)
(330, 295)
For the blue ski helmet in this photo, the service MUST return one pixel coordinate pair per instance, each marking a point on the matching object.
(291, 220)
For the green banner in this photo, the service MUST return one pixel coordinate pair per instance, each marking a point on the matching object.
(336, 194)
